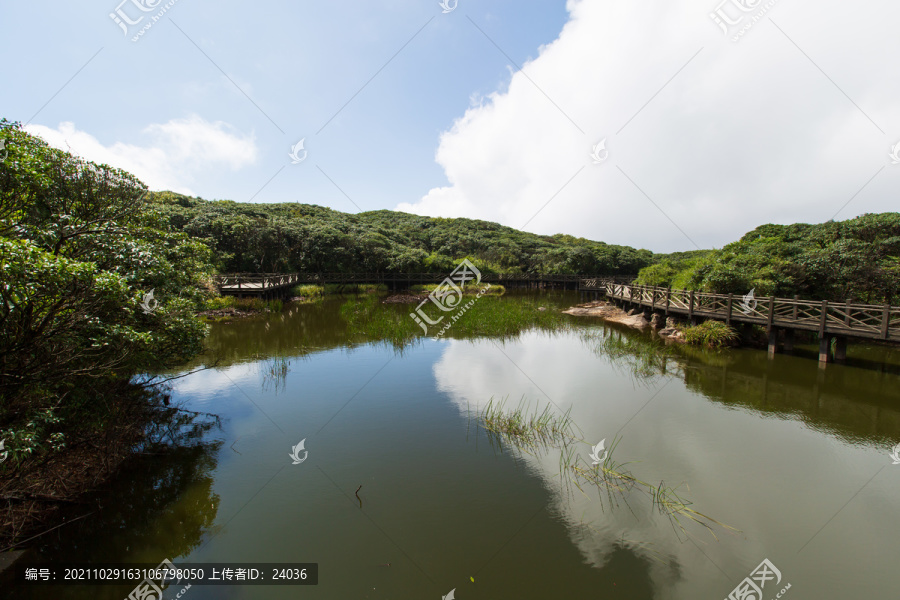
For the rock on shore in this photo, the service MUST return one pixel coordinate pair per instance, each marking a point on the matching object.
(608, 312)
(633, 318)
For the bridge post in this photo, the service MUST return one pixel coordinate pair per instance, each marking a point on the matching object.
(691, 309)
(825, 356)
(668, 300)
(773, 342)
(885, 321)
(771, 316)
(824, 350)
(728, 315)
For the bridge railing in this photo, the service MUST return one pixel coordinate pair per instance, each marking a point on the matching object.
(255, 280)
(851, 318)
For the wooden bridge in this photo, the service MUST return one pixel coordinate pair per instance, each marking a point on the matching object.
(830, 320)
(256, 284)
(271, 284)
(836, 321)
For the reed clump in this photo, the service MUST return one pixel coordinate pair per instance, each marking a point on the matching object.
(535, 430)
(712, 334)
(524, 429)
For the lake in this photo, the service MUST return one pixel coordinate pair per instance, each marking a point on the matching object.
(794, 457)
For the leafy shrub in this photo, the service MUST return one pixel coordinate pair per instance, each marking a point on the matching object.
(713, 334)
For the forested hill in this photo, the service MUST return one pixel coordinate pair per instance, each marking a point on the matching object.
(856, 259)
(303, 237)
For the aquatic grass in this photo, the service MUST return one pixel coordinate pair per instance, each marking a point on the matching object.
(609, 476)
(533, 431)
(503, 317)
(712, 334)
(375, 321)
(308, 292)
(672, 505)
(313, 292)
(275, 372)
(526, 430)
(486, 317)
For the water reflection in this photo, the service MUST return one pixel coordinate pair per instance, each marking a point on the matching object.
(765, 468)
(775, 448)
(160, 505)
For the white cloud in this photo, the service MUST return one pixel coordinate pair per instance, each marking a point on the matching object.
(176, 152)
(747, 133)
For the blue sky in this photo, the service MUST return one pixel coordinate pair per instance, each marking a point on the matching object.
(709, 132)
(299, 62)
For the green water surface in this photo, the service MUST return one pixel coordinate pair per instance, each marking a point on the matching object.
(793, 456)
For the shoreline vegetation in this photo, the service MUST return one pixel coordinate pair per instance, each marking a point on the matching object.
(225, 308)
(97, 291)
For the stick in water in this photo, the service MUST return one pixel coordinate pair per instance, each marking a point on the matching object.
(358, 498)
